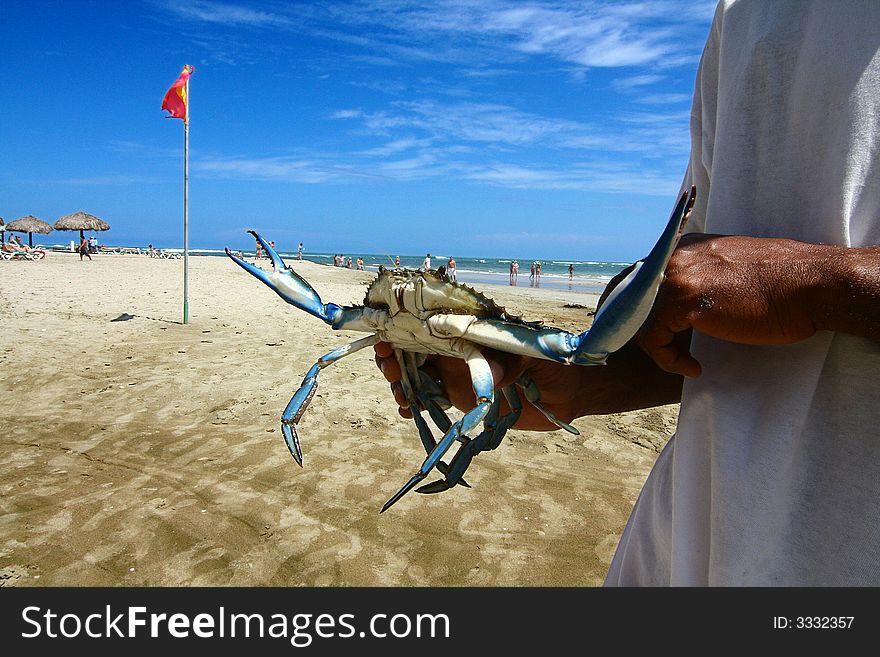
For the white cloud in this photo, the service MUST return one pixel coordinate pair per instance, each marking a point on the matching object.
(225, 14)
(427, 135)
(346, 114)
(587, 34)
(636, 81)
(664, 99)
(396, 146)
(271, 168)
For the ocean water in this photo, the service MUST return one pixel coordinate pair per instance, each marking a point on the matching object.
(589, 276)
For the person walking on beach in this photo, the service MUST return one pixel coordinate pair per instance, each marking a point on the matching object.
(426, 263)
(765, 328)
(570, 271)
(532, 274)
(450, 268)
(360, 263)
(397, 261)
(258, 253)
(299, 252)
(84, 249)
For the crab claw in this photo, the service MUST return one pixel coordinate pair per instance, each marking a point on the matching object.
(291, 438)
(627, 307)
(412, 483)
(459, 464)
(289, 285)
(481, 378)
(434, 487)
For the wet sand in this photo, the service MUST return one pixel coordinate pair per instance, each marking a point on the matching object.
(139, 451)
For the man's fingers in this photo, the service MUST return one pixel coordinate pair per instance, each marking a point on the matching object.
(399, 395)
(383, 349)
(390, 369)
(451, 373)
(387, 363)
(506, 367)
(672, 358)
(659, 339)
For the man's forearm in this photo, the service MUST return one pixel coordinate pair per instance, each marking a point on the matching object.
(847, 291)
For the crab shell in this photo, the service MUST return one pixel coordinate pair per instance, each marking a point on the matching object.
(425, 312)
(424, 293)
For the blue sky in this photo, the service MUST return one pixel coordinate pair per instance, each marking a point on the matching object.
(477, 128)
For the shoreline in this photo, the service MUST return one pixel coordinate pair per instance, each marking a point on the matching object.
(578, 284)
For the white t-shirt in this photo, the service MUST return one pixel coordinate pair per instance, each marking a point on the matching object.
(773, 476)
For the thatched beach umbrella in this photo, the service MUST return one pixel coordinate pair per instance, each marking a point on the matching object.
(29, 225)
(81, 221)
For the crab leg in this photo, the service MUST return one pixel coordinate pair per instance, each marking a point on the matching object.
(489, 439)
(506, 421)
(300, 401)
(425, 434)
(409, 371)
(530, 390)
(481, 377)
(289, 285)
(465, 454)
(427, 391)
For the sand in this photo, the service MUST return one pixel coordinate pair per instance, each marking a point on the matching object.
(139, 451)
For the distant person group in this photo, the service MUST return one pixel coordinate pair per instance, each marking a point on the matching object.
(448, 270)
(259, 254)
(340, 260)
(535, 275)
(14, 245)
(514, 271)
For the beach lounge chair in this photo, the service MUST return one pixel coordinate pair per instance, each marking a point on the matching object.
(33, 254)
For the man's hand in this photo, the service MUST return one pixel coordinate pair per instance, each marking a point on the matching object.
(629, 381)
(759, 291)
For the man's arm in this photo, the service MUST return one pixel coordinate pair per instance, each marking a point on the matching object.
(760, 291)
(741, 289)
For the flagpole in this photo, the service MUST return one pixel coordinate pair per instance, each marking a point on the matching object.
(186, 209)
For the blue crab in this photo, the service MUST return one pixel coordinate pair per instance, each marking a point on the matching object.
(422, 312)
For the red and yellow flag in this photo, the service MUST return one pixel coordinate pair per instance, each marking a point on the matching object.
(175, 99)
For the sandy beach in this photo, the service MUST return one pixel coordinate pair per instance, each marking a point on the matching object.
(139, 451)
